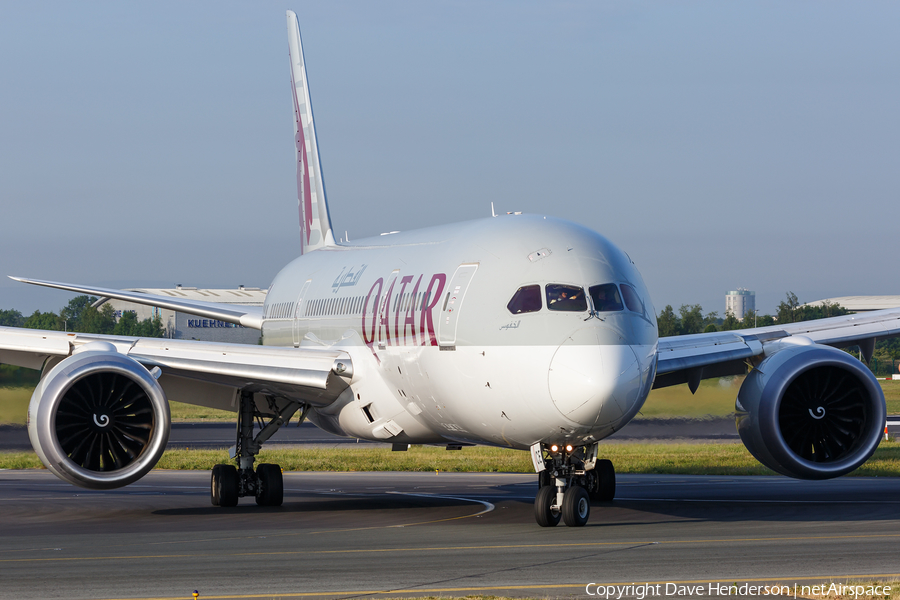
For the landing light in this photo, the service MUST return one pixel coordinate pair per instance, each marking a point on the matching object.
(554, 448)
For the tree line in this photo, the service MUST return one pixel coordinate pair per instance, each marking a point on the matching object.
(81, 316)
(78, 316)
(690, 318)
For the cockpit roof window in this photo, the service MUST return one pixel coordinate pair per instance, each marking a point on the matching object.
(606, 297)
(569, 298)
(632, 300)
(526, 299)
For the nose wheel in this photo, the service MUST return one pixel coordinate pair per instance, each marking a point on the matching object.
(546, 510)
(569, 478)
(576, 507)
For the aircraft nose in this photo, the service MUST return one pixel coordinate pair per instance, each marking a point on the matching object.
(594, 384)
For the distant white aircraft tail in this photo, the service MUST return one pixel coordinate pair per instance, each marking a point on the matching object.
(315, 223)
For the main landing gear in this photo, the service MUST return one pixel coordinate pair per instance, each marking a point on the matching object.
(228, 482)
(569, 478)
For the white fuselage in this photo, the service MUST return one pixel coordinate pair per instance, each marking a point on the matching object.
(440, 357)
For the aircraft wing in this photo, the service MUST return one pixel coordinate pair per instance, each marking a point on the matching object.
(248, 316)
(690, 358)
(204, 373)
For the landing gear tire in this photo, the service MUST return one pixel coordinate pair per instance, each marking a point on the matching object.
(214, 485)
(270, 485)
(544, 514)
(576, 508)
(224, 485)
(604, 482)
(544, 479)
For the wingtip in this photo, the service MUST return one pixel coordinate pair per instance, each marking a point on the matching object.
(14, 278)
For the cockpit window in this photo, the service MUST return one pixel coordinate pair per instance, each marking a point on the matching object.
(526, 299)
(632, 300)
(606, 297)
(569, 298)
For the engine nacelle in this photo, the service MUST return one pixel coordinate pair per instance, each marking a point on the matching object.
(99, 419)
(811, 412)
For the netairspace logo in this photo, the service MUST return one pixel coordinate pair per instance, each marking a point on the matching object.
(640, 591)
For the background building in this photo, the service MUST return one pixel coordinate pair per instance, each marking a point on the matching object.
(739, 301)
(183, 326)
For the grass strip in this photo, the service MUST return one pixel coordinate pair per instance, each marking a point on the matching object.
(662, 459)
(715, 398)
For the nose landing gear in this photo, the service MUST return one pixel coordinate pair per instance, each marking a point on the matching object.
(569, 478)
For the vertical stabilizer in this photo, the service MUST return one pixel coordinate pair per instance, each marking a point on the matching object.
(315, 223)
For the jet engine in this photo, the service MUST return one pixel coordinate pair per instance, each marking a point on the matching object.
(810, 412)
(99, 419)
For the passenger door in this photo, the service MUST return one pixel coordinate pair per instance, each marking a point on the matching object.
(301, 325)
(453, 301)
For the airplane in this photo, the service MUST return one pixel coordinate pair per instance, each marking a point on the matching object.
(518, 331)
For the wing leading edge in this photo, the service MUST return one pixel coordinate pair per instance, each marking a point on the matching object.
(690, 358)
(312, 375)
(248, 316)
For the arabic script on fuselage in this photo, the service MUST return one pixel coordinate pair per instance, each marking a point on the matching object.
(347, 278)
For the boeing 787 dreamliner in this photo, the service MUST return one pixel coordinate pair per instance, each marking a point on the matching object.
(519, 331)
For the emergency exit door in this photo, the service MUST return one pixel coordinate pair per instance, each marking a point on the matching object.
(453, 301)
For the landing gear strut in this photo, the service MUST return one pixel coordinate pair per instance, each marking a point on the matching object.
(569, 477)
(228, 483)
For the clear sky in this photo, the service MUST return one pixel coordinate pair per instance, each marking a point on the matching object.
(721, 144)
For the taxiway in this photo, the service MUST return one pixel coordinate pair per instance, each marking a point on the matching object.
(416, 534)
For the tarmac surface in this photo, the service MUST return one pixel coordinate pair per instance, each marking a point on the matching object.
(348, 535)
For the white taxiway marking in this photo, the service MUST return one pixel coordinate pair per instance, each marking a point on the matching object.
(488, 507)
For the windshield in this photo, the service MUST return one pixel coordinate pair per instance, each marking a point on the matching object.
(526, 299)
(632, 300)
(563, 297)
(606, 297)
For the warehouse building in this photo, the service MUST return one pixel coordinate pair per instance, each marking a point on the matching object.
(182, 326)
